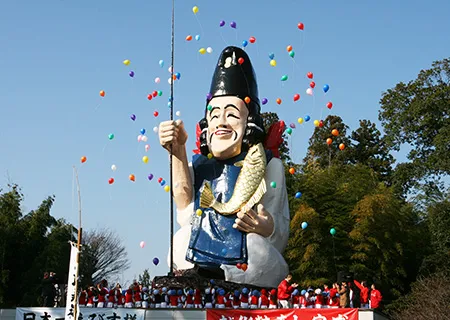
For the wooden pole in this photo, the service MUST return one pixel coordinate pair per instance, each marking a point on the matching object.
(78, 243)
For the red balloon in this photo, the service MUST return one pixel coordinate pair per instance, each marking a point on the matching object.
(159, 180)
(312, 84)
(239, 266)
(252, 39)
(296, 97)
(244, 267)
(321, 123)
(149, 97)
(310, 75)
(154, 93)
(329, 105)
(241, 60)
(301, 26)
(111, 180)
(156, 113)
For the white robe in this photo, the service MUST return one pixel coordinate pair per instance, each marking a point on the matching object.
(266, 265)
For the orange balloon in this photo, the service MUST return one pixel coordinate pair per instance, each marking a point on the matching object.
(174, 77)
(289, 48)
(329, 141)
(102, 93)
(335, 132)
(279, 101)
(342, 146)
(189, 38)
(291, 170)
(132, 177)
(247, 100)
(83, 159)
(244, 267)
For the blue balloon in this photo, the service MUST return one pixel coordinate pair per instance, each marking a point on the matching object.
(326, 88)
(307, 118)
(271, 56)
(178, 75)
(298, 195)
(161, 63)
(244, 43)
(304, 225)
(197, 37)
(163, 182)
(143, 131)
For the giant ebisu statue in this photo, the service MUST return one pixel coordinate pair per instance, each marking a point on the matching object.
(232, 204)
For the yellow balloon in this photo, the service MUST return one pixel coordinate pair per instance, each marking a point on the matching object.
(273, 63)
(195, 9)
(199, 212)
(210, 156)
(300, 120)
(166, 188)
(145, 159)
(202, 50)
(126, 62)
(316, 123)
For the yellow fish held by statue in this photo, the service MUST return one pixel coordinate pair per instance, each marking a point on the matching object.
(250, 185)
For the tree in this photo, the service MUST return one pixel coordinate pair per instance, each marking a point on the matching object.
(428, 299)
(319, 152)
(29, 245)
(370, 149)
(144, 279)
(381, 234)
(417, 114)
(103, 256)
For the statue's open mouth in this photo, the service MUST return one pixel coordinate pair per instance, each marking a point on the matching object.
(222, 132)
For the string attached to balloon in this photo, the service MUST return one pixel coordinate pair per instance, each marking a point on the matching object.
(195, 11)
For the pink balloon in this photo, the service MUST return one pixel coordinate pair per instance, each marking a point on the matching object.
(147, 147)
(157, 80)
(139, 138)
(142, 244)
(309, 91)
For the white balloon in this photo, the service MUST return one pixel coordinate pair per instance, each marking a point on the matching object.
(170, 69)
(147, 147)
(169, 80)
(139, 138)
(155, 129)
(144, 138)
(309, 91)
(113, 167)
(157, 80)
(178, 113)
(142, 244)
(209, 50)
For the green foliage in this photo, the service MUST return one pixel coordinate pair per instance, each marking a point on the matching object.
(418, 114)
(30, 245)
(145, 279)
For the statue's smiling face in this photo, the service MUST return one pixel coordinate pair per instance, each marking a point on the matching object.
(227, 121)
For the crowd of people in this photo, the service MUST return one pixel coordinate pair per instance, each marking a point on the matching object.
(352, 294)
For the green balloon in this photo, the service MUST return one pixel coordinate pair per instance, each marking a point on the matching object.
(209, 107)
(292, 54)
(160, 93)
(289, 130)
(333, 231)
(111, 136)
(284, 78)
(273, 184)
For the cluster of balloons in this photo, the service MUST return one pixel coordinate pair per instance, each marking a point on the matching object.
(233, 24)
(207, 50)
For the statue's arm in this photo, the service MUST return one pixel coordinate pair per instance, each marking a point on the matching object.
(183, 189)
(276, 202)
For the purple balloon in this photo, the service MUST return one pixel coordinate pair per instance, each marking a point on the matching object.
(233, 24)
(264, 101)
(208, 96)
(133, 117)
(222, 23)
(150, 176)
(131, 74)
(155, 261)
(292, 125)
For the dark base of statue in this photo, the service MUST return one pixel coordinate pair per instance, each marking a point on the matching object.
(200, 278)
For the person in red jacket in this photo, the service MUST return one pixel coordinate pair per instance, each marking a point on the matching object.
(83, 299)
(263, 300)
(364, 294)
(375, 298)
(333, 298)
(198, 299)
(273, 304)
(284, 291)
